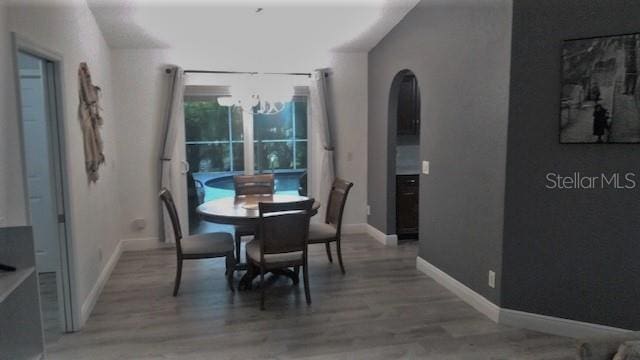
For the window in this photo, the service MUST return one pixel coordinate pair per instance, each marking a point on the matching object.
(216, 143)
(214, 136)
(280, 140)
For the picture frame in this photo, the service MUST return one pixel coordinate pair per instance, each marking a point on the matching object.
(600, 90)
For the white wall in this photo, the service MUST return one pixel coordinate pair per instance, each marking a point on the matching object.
(141, 85)
(348, 88)
(12, 204)
(4, 50)
(139, 78)
(71, 31)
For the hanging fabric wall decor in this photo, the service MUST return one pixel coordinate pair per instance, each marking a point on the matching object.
(91, 121)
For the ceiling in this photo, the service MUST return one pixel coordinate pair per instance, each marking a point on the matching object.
(282, 27)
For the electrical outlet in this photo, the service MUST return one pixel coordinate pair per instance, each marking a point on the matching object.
(492, 279)
(368, 210)
(425, 167)
(139, 224)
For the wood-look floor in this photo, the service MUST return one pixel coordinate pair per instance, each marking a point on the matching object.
(49, 305)
(383, 308)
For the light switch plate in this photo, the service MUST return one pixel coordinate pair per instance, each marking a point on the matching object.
(425, 167)
(492, 279)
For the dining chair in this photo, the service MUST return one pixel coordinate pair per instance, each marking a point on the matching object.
(281, 241)
(195, 197)
(244, 185)
(302, 184)
(261, 184)
(331, 230)
(200, 246)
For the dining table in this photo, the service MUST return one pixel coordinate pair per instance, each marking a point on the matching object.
(244, 211)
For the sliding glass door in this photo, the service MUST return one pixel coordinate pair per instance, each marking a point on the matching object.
(223, 141)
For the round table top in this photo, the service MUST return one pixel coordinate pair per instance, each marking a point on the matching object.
(239, 210)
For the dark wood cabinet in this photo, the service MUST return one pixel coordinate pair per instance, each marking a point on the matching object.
(408, 106)
(407, 205)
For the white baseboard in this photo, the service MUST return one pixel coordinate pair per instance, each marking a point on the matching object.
(477, 301)
(144, 244)
(348, 229)
(387, 240)
(557, 326)
(92, 298)
(514, 318)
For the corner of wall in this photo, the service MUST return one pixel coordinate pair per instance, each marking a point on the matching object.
(90, 300)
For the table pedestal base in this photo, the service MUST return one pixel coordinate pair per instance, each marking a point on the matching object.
(246, 282)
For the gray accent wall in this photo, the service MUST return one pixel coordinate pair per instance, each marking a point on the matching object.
(572, 254)
(459, 51)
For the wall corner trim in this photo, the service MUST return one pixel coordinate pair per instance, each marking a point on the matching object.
(90, 301)
(384, 239)
(477, 301)
(514, 318)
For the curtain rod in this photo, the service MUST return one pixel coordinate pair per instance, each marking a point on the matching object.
(240, 72)
(168, 71)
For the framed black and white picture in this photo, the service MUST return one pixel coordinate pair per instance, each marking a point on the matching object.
(600, 100)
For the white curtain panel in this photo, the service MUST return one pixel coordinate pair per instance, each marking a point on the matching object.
(322, 167)
(172, 165)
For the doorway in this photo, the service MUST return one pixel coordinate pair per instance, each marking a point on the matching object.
(39, 99)
(404, 119)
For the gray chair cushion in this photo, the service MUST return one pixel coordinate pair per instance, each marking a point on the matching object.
(321, 232)
(211, 243)
(253, 251)
(602, 348)
(629, 350)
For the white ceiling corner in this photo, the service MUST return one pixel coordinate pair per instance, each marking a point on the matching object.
(347, 25)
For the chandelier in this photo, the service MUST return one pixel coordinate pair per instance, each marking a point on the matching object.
(258, 96)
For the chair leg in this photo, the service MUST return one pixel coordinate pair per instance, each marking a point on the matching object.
(327, 246)
(231, 263)
(295, 277)
(339, 250)
(305, 276)
(178, 276)
(262, 288)
(238, 239)
(246, 281)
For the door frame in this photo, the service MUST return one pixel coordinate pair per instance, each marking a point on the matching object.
(392, 148)
(69, 309)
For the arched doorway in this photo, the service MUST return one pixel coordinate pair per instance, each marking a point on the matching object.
(404, 156)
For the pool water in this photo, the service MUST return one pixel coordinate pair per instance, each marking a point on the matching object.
(286, 183)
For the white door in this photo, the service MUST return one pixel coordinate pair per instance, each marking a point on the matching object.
(39, 161)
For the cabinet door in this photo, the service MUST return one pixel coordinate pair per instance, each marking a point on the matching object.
(407, 205)
(408, 116)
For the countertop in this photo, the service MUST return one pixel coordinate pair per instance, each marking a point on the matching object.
(407, 170)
